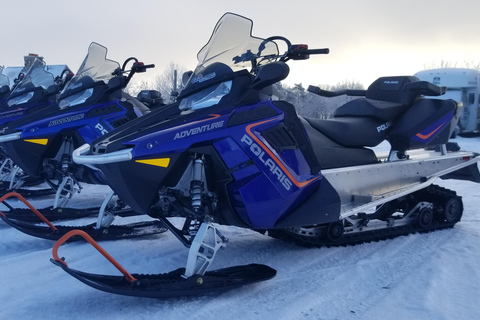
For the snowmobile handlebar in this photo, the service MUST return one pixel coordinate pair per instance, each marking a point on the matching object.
(137, 67)
(294, 51)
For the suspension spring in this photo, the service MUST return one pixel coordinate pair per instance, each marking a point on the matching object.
(197, 185)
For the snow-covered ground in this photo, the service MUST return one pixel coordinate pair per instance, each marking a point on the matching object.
(419, 276)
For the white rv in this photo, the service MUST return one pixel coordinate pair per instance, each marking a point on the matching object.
(462, 86)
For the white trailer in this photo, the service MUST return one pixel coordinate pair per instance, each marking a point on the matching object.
(463, 85)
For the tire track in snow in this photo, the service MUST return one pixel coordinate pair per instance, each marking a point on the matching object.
(341, 291)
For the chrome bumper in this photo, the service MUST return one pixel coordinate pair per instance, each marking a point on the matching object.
(10, 137)
(80, 157)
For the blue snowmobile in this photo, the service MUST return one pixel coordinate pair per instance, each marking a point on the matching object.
(36, 88)
(229, 153)
(92, 104)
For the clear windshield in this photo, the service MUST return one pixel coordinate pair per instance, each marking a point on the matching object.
(4, 81)
(232, 44)
(231, 48)
(35, 77)
(95, 67)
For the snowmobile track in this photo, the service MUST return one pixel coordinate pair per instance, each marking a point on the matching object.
(427, 194)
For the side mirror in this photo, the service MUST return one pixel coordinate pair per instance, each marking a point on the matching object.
(270, 74)
(4, 89)
(53, 89)
(116, 83)
(185, 77)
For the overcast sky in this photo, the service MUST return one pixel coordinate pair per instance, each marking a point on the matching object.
(367, 39)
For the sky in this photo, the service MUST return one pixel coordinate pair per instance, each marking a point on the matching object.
(367, 39)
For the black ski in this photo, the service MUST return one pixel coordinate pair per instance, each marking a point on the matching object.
(173, 284)
(113, 232)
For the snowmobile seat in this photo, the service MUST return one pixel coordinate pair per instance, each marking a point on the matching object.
(363, 107)
(352, 131)
(333, 155)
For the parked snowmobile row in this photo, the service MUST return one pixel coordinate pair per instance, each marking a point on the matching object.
(227, 152)
(41, 144)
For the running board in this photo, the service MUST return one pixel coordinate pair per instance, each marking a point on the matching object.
(362, 188)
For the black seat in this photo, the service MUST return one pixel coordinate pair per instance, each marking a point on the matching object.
(351, 131)
(333, 155)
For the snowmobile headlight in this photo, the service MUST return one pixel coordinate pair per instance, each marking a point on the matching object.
(207, 97)
(76, 99)
(20, 99)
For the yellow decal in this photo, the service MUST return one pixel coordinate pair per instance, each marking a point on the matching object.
(162, 162)
(38, 141)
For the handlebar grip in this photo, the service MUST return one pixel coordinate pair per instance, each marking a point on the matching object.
(317, 51)
(147, 66)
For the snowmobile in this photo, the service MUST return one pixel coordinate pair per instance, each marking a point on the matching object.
(36, 88)
(91, 105)
(229, 153)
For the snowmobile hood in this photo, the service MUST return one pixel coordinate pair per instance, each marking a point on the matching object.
(222, 81)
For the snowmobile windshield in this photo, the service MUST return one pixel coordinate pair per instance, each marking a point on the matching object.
(231, 48)
(4, 81)
(35, 77)
(94, 68)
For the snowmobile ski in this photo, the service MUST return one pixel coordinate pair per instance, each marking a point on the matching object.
(167, 285)
(96, 231)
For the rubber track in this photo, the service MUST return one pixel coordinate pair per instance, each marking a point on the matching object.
(432, 192)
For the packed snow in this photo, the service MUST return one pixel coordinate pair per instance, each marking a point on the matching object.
(419, 276)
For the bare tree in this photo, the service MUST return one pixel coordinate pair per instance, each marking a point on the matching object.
(471, 65)
(168, 81)
(133, 88)
(314, 106)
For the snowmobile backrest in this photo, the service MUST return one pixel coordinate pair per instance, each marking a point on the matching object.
(392, 89)
(150, 97)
